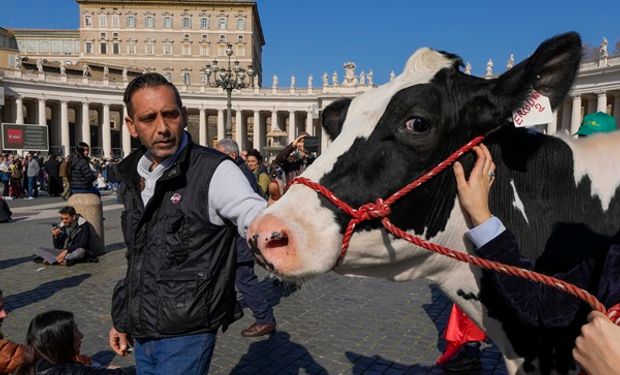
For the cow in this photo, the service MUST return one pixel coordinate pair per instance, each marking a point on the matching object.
(558, 195)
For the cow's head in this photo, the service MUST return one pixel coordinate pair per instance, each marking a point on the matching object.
(387, 137)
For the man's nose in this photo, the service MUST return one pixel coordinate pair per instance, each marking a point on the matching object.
(161, 124)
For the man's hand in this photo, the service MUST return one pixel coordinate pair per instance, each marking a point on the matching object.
(56, 231)
(61, 257)
(299, 141)
(474, 193)
(597, 350)
(118, 341)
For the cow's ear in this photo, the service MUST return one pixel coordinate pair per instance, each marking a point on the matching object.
(334, 116)
(551, 71)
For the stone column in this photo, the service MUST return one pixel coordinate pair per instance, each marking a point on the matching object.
(566, 113)
(64, 127)
(85, 124)
(125, 134)
(309, 123)
(221, 127)
(292, 126)
(19, 110)
(41, 112)
(106, 132)
(239, 129)
(275, 125)
(202, 137)
(617, 108)
(575, 118)
(591, 106)
(601, 102)
(258, 131)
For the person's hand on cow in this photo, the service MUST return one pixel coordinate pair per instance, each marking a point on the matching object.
(474, 192)
(597, 350)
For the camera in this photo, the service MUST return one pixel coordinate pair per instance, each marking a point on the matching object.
(311, 144)
(54, 225)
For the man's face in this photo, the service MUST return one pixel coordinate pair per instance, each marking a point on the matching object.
(67, 219)
(157, 121)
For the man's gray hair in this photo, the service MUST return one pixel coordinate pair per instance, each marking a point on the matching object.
(227, 146)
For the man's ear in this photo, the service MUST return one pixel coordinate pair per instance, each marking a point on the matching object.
(131, 127)
(551, 71)
(333, 117)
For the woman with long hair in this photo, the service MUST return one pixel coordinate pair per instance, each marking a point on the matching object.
(82, 175)
(53, 346)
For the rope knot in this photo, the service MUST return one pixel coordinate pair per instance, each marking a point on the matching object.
(376, 210)
(614, 314)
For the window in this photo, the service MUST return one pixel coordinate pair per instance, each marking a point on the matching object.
(168, 22)
(240, 38)
(204, 37)
(114, 35)
(187, 23)
(222, 23)
(167, 48)
(131, 48)
(115, 48)
(221, 50)
(186, 37)
(116, 21)
(240, 24)
(149, 48)
(204, 23)
(187, 49)
(103, 20)
(187, 79)
(103, 48)
(88, 20)
(88, 47)
(103, 35)
(149, 22)
(204, 50)
(240, 50)
(12, 59)
(131, 21)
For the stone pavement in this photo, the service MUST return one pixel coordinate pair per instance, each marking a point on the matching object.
(331, 325)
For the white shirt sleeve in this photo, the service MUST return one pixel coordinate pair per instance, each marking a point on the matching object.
(232, 198)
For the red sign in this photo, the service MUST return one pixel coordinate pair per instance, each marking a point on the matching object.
(15, 136)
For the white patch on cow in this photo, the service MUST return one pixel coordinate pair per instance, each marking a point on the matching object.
(517, 202)
(596, 157)
(366, 109)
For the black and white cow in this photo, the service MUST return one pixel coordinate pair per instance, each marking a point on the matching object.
(558, 195)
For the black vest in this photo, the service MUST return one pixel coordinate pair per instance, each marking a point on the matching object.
(181, 267)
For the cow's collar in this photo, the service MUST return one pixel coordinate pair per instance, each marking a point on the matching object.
(381, 208)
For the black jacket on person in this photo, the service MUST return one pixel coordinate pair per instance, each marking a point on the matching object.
(5, 211)
(74, 236)
(82, 177)
(181, 267)
(46, 368)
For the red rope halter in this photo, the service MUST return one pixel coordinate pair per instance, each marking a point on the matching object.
(381, 210)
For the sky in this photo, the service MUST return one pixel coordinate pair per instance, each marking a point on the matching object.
(306, 37)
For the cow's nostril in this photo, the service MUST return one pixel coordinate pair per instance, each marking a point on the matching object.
(277, 239)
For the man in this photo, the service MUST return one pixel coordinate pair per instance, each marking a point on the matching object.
(11, 354)
(71, 240)
(32, 172)
(245, 278)
(183, 205)
(64, 172)
(295, 158)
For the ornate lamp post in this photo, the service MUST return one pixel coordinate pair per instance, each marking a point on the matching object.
(230, 78)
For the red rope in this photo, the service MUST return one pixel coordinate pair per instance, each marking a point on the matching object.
(381, 210)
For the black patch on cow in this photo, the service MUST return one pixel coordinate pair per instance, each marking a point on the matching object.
(467, 295)
(565, 224)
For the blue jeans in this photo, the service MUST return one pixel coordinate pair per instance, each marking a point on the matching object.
(247, 283)
(175, 355)
(32, 181)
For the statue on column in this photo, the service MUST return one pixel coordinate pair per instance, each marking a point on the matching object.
(310, 79)
(370, 76)
(468, 68)
(511, 62)
(63, 69)
(255, 80)
(335, 79)
(293, 81)
(40, 66)
(489, 72)
(603, 48)
(106, 72)
(362, 79)
(325, 80)
(18, 62)
(124, 73)
(349, 75)
(392, 75)
(85, 71)
(274, 81)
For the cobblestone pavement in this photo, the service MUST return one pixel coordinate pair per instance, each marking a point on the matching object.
(331, 325)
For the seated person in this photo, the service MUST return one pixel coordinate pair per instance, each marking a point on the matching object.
(54, 342)
(5, 212)
(71, 240)
(11, 354)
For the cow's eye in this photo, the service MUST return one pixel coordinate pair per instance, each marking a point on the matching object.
(417, 124)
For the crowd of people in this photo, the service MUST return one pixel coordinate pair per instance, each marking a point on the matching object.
(184, 263)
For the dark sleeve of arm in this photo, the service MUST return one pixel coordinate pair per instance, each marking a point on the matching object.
(82, 238)
(120, 315)
(59, 241)
(534, 303)
(87, 172)
(282, 157)
(78, 369)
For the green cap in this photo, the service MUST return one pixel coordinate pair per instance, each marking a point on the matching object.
(598, 122)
